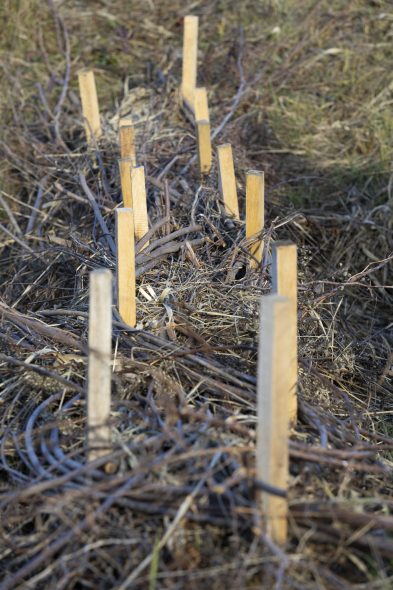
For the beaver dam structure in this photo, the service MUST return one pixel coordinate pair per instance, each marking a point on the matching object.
(191, 396)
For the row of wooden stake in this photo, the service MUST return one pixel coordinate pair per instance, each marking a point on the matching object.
(276, 385)
(277, 358)
(133, 188)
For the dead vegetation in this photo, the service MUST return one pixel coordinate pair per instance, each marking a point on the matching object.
(301, 91)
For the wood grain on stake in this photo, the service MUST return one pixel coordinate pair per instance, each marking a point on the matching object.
(284, 282)
(125, 166)
(126, 140)
(99, 369)
(190, 58)
(227, 180)
(125, 265)
(141, 220)
(273, 412)
(255, 212)
(91, 112)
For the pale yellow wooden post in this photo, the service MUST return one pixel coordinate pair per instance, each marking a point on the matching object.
(126, 140)
(141, 220)
(125, 167)
(255, 213)
(284, 282)
(90, 109)
(227, 180)
(204, 146)
(201, 105)
(99, 367)
(125, 259)
(190, 59)
(273, 392)
(202, 123)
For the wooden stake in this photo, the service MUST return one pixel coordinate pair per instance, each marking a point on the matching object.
(255, 212)
(99, 369)
(227, 180)
(273, 418)
(284, 282)
(90, 109)
(190, 58)
(125, 245)
(204, 146)
(125, 166)
(201, 105)
(126, 141)
(202, 123)
(141, 220)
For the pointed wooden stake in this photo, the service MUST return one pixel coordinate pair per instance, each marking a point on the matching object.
(125, 166)
(141, 220)
(125, 246)
(284, 282)
(126, 140)
(204, 147)
(190, 58)
(255, 213)
(99, 369)
(273, 412)
(90, 109)
(201, 105)
(227, 180)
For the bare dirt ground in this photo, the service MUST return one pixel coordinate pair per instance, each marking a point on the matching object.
(303, 91)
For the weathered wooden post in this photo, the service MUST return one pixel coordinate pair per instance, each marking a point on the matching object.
(190, 60)
(273, 392)
(125, 262)
(202, 123)
(125, 167)
(141, 220)
(227, 180)
(90, 109)
(127, 140)
(201, 104)
(99, 366)
(284, 282)
(255, 213)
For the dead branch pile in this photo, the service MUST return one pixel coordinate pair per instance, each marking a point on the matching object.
(175, 506)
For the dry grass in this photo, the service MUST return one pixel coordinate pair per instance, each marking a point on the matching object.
(179, 511)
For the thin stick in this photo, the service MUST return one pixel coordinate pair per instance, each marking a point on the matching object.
(227, 180)
(99, 369)
(284, 283)
(190, 57)
(201, 105)
(204, 147)
(125, 259)
(141, 220)
(90, 109)
(126, 141)
(273, 412)
(255, 213)
(125, 166)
